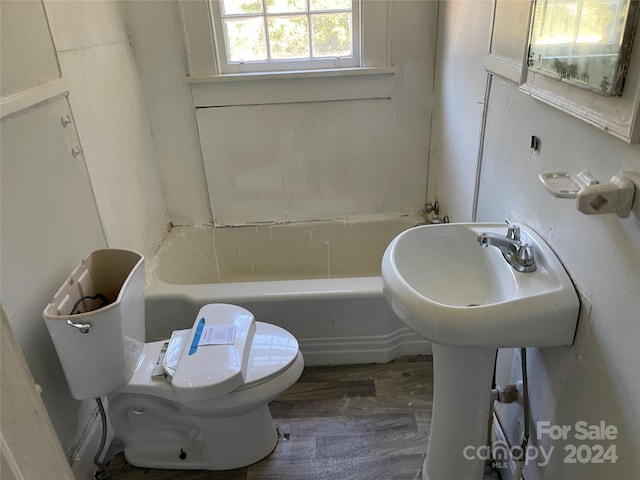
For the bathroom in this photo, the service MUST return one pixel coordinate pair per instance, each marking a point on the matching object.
(438, 130)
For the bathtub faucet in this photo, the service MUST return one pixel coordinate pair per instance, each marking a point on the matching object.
(517, 253)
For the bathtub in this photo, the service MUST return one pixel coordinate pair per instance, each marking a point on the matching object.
(320, 280)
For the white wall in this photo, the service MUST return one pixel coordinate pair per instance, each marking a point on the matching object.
(20, 73)
(23, 413)
(49, 222)
(597, 378)
(109, 105)
(303, 160)
(49, 217)
(156, 34)
(463, 42)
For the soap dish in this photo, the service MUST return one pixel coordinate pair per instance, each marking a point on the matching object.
(566, 185)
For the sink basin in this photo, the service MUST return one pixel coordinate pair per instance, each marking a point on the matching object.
(469, 301)
(447, 288)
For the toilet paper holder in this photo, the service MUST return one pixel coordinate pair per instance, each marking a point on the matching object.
(592, 197)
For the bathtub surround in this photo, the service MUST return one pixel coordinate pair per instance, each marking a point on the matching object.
(291, 161)
(350, 247)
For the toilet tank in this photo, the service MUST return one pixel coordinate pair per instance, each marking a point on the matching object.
(100, 343)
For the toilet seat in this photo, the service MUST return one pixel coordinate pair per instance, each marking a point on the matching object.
(260, 352)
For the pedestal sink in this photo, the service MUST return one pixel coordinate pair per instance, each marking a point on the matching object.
(469, 301)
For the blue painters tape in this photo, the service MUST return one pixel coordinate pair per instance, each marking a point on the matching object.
(196, 337)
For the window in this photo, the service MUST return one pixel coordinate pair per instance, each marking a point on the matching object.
(282, 35)
(256, 52)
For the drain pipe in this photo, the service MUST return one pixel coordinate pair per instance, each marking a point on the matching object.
(525, 407)
(490, 462)
(102, 473)
(514, 393)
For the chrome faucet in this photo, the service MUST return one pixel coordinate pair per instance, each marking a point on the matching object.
(517, 253)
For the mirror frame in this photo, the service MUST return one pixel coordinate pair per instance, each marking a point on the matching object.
(501, 40)
(617, 115)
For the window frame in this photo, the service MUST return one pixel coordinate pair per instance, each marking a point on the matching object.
(225, 66)
(373, 79)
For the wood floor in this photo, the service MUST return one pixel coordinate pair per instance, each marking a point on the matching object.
(355, 422)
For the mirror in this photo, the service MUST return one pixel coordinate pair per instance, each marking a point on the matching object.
(586, 43)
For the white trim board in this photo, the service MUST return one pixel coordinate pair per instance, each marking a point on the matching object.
(363, 349)
(21, 101)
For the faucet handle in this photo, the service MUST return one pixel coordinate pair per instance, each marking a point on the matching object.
(525, 258)
(513, 232)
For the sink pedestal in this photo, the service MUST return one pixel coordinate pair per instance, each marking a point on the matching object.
(461, 396)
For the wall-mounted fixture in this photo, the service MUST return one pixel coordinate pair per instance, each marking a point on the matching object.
(581, 72)
(434, 209)
(535, 144)
(593, 197)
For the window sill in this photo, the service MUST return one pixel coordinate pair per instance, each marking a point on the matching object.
(292, 86)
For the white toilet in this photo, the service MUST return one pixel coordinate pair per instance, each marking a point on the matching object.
(196, 401)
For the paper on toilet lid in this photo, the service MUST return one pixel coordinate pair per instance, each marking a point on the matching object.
(222, 335)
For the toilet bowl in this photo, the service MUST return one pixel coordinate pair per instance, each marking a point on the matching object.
(213, 413)
(196, 401)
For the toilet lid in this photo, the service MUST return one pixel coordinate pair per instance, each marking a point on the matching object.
(213, 361)
(273, 350)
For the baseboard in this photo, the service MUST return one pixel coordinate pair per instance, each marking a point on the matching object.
(363, 349)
